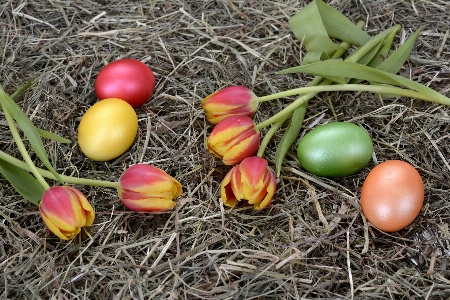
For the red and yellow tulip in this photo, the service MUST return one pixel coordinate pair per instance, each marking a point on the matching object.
(251, 180)
(145, 188)
(229, 101)
(65, 210)
(234, 139)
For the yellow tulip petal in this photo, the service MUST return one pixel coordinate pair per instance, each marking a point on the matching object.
(53, 228)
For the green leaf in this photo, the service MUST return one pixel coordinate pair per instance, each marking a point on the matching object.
(43, 133)
(311, 57)
(369, 56)
(29, 130)
(374, 42)
(380, 55)
(20, 91)
(292, 131)
(53, 136)
(396, 60)
(383, 52)
(314, 23)
(340, 27)
(22, 181)
(358, 71)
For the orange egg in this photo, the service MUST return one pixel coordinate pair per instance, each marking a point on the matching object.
(392, 195)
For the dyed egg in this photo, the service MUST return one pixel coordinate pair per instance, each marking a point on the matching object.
(107, 129)
(392, 195)
(128, 79)
(335, 149)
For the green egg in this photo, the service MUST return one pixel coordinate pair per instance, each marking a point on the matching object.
(336, 149)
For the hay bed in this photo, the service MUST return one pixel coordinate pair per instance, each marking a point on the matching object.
(312, 242)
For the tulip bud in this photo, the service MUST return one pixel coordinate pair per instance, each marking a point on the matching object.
(234, 139)
(146, 188)
(251, 180)
(230, 101)
(65, 210)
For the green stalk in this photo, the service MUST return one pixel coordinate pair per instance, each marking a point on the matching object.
(316, 81)
(47, 174)
(381, 89)
(23, 150)
(268, 136)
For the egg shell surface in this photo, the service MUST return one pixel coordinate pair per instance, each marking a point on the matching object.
(392, 195)
(335, 149)
(107, 129)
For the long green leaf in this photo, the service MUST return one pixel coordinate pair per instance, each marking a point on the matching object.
(45, 134)
(292, 132)
(22, 89)
(29, 130)
(383, 52)
(53, 136)
(22, 181)
(340, 27)
(314, 23)
(396, 60)
(355, 70)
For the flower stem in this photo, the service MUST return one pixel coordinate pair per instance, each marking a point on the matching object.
(48, 174)
(23, 150)
(381, 89)
(316, 81)
(270, 133)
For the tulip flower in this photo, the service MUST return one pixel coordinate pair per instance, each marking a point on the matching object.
(230, 101)
(251, 180)
(146, 188)
(234, 139)
(65, 210)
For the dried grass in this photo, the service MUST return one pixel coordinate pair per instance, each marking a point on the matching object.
(312, 242)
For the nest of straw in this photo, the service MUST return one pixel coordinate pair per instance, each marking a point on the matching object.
(312, 242)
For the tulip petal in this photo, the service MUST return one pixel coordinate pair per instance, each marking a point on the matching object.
(229, 136)
(246, 148)
(86, 206)
(251, 180)
(177, 188)
(143, 187)
(62, 208)
(230, 101)
(65, 210)
(270, 192)
(150, 204)
(236, 183)
(253, 171)
(53, 228)
(234, 139)
(226, 191)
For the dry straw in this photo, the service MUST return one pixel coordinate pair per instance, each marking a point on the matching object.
(313, 241)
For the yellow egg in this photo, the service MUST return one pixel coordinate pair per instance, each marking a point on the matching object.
(107, 129)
